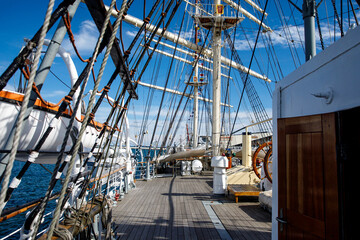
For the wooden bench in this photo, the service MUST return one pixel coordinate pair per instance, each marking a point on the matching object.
(243, 190)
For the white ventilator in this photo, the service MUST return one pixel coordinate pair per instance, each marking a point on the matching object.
(220, 163)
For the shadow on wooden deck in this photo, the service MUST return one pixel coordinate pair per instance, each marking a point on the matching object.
(171, 208)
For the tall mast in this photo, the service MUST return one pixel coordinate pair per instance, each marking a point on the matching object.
(216, 22)
(308, 11)
(216, 46)
(196, 87)
(195, 82)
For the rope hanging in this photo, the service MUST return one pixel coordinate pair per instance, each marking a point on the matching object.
(67, 22)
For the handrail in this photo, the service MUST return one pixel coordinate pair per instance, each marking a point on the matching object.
(254, 124)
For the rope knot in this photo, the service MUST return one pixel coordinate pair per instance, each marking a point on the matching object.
(68, 99)
(147, 20)
(106, 88)
(132, 72)
(127, 53)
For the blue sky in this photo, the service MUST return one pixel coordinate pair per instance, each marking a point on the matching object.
(21, 19)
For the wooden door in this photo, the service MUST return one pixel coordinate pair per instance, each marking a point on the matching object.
(307, 171)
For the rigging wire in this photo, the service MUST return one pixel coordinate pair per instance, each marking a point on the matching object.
(149, 99)
(319, 29)
(337, 17)
(247, 74)
(287, 33)
(180, 102)
(297, 29)
(171, 108)
(353, 11)
(166, 83)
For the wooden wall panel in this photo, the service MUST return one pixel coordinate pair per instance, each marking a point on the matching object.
(306, 184)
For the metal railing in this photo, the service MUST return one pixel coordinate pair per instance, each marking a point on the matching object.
(210, 10)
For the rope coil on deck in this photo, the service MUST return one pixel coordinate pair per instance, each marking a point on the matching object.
(77, 220)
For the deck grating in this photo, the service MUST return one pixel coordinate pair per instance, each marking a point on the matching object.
(172, 208)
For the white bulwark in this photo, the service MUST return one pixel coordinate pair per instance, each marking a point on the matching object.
(327, 83)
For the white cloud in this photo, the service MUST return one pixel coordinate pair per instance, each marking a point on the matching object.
(292, 34)
(85, 39)
(56, 93)
(131, 33)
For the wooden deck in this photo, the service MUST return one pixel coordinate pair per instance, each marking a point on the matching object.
(173, 208)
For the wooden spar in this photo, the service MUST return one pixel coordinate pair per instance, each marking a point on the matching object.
(184, 60)
(247, 14)
(195, 85)
(255, 6)
(189, 53)
(181, 41)
(178, 93)
(196, 153)
(12, 212)
(185, 154)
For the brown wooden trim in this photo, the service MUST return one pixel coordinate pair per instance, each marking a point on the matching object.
(303, 124)
(331, 177)
(14, 98)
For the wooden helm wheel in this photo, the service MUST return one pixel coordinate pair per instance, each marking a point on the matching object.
(268, 165)
(256, 159)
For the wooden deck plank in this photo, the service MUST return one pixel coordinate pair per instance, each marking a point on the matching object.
(171, 208)
(253, 222)
(155, 213)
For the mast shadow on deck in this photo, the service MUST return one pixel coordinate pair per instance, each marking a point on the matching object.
(173, 209)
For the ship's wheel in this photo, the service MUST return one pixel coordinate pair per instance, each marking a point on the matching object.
(259, 157)
(268, 165)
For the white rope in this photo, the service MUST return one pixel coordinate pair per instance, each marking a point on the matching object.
(91, 102)
(24, 106)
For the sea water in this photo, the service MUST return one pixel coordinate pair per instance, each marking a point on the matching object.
(33, 186)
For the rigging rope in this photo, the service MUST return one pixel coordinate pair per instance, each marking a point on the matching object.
(166, 83)
(256, 104)
(26, 51)
(67, 23)
(337, 18)
(182, 96)
(286, 30)
(91, 101)
(353, 11)
(319, 29)
(24, 106)
(247, 74)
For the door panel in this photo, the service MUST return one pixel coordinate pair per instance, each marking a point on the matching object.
(307, 190)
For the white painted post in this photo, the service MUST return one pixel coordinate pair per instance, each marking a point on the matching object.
(246, 149)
